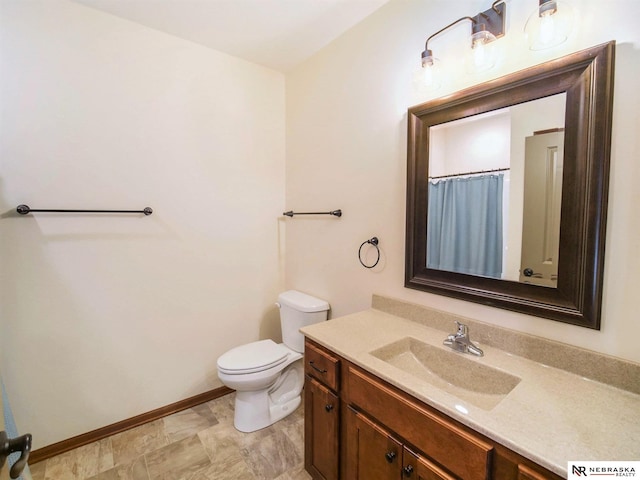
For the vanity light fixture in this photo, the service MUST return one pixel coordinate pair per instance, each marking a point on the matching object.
(549, 25)
(486, 27)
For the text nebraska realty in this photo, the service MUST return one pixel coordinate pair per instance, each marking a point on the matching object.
(604, 471)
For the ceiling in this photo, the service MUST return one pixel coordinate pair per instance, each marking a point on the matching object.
(278, 34)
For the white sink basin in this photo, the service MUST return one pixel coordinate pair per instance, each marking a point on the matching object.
(459, 374)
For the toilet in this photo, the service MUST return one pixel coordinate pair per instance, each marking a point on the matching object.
(268, 377)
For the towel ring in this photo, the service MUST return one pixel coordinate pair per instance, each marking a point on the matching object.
(372, 241)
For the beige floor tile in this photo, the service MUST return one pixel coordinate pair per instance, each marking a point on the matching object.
(293, 427)
(133, 471)
(198, 444)
(80, 463)
(236, 471)
(188, 422)
(271, 455)
(129, 445)
(221, 442)
(177, 461)
(222, 407)
(298, 473)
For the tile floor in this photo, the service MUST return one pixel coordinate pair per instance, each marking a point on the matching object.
(199, 443)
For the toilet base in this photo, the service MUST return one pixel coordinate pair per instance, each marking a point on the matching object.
(247, 418)
(259, 409)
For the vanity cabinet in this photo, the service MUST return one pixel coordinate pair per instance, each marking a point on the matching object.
(442, 441)
(375, 454)
(359, 427)
(322, 413)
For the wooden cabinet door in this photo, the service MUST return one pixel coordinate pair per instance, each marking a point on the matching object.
(321, 429)
(526, 473)
(415, 467)
(372, 453)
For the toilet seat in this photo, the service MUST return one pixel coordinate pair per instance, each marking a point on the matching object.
(253, 357)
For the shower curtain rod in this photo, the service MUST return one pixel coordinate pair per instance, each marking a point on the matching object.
(24, 209)
(470, 173)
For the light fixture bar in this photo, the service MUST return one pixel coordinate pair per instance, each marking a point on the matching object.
(461, 19)
(493, 19)
(485, 28)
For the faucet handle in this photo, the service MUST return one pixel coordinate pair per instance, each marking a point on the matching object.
(460, 341)
(463, 330)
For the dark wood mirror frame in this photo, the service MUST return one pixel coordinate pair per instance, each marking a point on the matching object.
(587, 79)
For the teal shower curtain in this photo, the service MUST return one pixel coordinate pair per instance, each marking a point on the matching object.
(464, 225)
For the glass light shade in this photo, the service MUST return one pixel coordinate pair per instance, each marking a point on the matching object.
(483, 53)
(549, 25)
(430, 75)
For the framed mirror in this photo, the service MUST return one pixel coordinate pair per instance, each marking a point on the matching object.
(507, 187)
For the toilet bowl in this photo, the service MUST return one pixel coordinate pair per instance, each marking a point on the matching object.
(267, 376)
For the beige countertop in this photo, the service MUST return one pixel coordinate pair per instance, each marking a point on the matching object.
(552, 416)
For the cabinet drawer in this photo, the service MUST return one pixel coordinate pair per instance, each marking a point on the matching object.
(321, 365)
(460, 452)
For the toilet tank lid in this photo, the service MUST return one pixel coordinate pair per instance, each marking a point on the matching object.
(302, 302)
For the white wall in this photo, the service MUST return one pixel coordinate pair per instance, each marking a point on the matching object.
(346, 148)
(470, 145)
(107, 317)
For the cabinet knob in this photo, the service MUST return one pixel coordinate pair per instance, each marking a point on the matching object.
(390, 456)
(408, 470)
(328, 407)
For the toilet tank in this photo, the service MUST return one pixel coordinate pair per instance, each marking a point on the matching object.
(298, 310)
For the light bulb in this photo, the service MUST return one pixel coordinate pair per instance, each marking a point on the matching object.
(483, 52)
(430, 75)
(479, 55)
(549, 25)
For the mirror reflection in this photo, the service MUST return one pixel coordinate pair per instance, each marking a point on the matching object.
(571, 290)
(494, 193)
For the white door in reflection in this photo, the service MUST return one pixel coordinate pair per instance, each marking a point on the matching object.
(542, 202)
